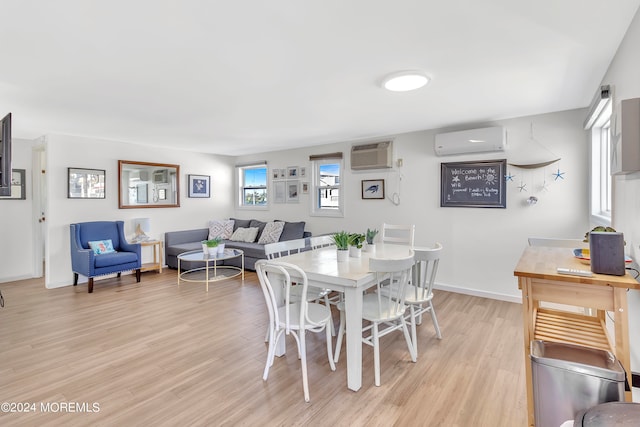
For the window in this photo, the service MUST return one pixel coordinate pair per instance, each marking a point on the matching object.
(253, 186)
(327, 187)
(601, 186)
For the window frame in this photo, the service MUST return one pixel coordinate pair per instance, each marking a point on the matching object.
(601, 182)
(316, 210)
(241, 187)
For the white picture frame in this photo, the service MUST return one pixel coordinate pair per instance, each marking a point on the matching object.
(293, 191)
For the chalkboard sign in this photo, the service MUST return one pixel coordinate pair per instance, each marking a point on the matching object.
(474, 184)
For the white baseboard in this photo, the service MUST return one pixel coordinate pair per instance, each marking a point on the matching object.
(477, 293)
(16, 278)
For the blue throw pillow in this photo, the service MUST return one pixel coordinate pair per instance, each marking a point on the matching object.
(102, 246)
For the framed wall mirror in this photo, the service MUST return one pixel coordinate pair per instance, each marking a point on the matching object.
(148, 185)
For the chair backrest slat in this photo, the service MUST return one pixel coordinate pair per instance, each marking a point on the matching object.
(286, 247)
(321, 241)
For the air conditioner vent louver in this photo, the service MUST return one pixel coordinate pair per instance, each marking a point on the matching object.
(377, 155)
(471, 141)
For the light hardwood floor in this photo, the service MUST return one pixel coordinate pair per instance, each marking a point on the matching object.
(155, 354)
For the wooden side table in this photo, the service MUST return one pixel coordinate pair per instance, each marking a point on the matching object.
(157, 256)
(539, 282)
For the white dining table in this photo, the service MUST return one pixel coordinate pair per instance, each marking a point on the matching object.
(351, 277)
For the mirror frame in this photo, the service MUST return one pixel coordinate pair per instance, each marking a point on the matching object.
(124, 163)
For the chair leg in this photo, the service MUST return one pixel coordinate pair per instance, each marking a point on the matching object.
(328, 304)
(75, 279)
(376, 354)
(414, 335)
(303, 362)
(273, 341)
(138, 275)
(408, 339)
(340, 336)
(435, 321)
(329, 349)
(90, 286)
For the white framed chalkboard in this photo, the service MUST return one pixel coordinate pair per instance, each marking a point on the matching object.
(478, 184)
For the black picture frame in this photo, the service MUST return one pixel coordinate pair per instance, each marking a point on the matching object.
(372, 189)
(474, 184)
(199, 186)
(18, 185)
(83, 183)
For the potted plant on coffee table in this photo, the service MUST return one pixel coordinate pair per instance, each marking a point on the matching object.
(341, 239)
(355, 244)
(212, 245)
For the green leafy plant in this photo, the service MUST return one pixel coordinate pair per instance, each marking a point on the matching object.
(371, 234)
(356, 239)
(341, 239)
(212, 243)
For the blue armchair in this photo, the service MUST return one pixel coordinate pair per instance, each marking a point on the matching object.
(126, 257)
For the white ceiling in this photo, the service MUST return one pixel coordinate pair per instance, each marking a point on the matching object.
(236, 77)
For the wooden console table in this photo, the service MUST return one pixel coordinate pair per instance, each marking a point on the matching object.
(539, 282)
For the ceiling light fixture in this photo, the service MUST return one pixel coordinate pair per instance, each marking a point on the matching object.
(403, 81)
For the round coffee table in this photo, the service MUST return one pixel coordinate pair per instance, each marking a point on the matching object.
(211, 271)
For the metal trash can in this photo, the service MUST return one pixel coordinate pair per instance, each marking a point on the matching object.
(611, 414)
(569, 378)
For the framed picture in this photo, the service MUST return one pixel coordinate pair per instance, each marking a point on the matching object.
(199, 186)
(478, 184)
(282, 173)
(280, 190)
(293, 190)
(275, 173)
(18, 185)
(373, 188)
(162, 194)
(292, 172)
(305, 187)
(85, 183)
(303, 172)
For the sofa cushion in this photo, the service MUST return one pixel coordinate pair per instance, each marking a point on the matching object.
(175, 250)
(240, 223)
(271, 232)
(251, 250)
(222, 229)
(260, 225)
(292, 231)
(245, 234)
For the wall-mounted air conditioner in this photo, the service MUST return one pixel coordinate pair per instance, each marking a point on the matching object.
(377, 155)
(471, 141)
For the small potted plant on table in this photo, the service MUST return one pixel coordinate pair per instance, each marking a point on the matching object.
(341, 239)
(370, 235)
(212, 245)
(355, 244)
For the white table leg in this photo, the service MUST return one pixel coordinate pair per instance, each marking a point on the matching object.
(353, 312)
(278, 288)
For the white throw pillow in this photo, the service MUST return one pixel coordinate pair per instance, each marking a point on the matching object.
(271, 232)
(245, 234)
(222, 229)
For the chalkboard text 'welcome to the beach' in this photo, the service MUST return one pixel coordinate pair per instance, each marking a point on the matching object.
(474, 184)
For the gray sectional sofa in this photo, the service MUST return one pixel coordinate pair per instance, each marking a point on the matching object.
(177, 242)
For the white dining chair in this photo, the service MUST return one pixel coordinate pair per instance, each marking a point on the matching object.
(384, 311)
(398, 234)
(289, 247)
(419, 293)
(318, 242)
(289, 317)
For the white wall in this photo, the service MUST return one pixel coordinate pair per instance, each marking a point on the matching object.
(624, 75)
(482, 246)
(67, 151)
(16, 227)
